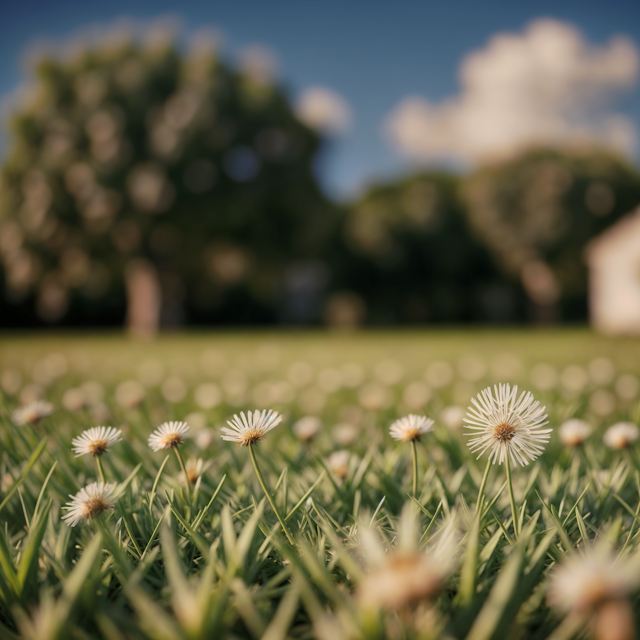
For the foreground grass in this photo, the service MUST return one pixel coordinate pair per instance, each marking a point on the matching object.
(213, 562)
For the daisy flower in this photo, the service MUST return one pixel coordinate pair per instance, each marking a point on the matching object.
(338, 462)
(507, 425)
(89, 503)
(195, 468)
(410, 428)
(32, 413)
(621, 435)
(307, 427)
(249, 429)
(95, 441)
(405, 575)
(584, 583)
(574, 432)
(168, 435)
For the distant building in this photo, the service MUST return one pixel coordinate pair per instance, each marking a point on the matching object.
(614, 277)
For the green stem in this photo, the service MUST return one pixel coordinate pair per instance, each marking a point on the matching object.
(483, 484)
(184, 471)
(513, 502)
(101, 470)
(415, 469)
(269, 498)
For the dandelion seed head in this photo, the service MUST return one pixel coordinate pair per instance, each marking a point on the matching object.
(574, 432)
(250, 428)
(507, 425)
(32, 413)
(88, 503)
(168, 435)
(410, 428)
(95, 441)
(621, 435)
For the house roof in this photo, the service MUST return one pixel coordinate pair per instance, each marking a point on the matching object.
(613, 235)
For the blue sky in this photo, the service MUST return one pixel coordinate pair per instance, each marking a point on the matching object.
(373, 54)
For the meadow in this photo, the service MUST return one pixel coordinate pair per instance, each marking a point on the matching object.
(326, 527)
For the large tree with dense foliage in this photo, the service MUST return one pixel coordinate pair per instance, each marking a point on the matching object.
(173, 179)
(411, 256)
(537, 213)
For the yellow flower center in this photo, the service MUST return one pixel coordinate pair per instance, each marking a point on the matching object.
(412, 434)
(94, 506)
(251, 437)
(172, 440)
(504, 432)
(98, 447)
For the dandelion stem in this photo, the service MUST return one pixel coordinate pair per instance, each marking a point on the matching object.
(269, 498)
(101, 470)
(415, 468)
(483, 484)
(184, 471)
(513, 502)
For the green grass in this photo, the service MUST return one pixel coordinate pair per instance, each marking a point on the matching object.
(165, 564)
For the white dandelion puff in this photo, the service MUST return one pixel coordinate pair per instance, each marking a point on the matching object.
(168, 435)
(510, 427)
(32, 413)
(307, 427)
(621, 435)
(583, 583)
(250, 428)
(88, 503)
(410, 428)
(574, 432)
(95, 441)
(338, 462)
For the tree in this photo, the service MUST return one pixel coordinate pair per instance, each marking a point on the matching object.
(537, 212)
(171, 179)
(411, 258)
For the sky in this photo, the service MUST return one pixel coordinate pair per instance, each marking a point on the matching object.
(401, 85)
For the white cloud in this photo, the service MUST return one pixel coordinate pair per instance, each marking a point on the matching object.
(324, 109)
(545, 85)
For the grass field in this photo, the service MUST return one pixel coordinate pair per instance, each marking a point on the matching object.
(337, 543)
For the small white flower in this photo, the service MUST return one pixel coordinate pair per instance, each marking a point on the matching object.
(338, 462)
(584, 583)
(574, 432)
(249, 429)
(410, 428)
(307, 427)
(95, 441)
(89, 502)
(621, 435)
(32, 413)
(195, 468)
(507, 425)
(168, 435)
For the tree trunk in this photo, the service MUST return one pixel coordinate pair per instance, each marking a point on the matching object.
(144, 298)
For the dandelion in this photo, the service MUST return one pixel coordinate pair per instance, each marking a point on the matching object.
(250, 429)
(410, 429)
(32, 413)
(338, 462)
(621, 435)
(195, 468)
(574, 432)
(306, 428)
(598, 587)
(508, 425)
(88, 503)
(247, 430)
(96, 442)
(170, 435)
(405, 575)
